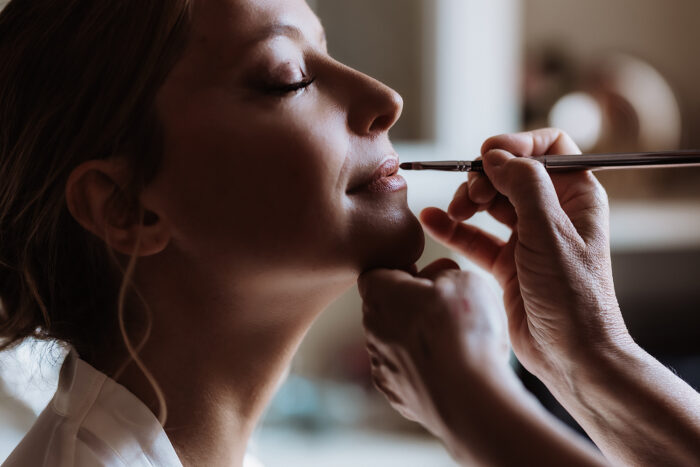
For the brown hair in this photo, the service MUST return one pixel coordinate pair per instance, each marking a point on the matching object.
(78, 81)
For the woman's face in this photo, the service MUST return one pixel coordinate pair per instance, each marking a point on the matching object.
(277, 158)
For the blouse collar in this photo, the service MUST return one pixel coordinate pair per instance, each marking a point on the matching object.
(117, 418)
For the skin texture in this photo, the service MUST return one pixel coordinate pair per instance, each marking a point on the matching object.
(256, 220)
(564, 323)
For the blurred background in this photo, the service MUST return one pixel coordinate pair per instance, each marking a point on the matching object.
(619, 75)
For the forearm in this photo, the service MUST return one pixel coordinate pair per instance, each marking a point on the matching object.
(494, 421)
(635, 409)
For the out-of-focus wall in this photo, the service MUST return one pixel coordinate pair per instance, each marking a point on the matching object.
(664, 33)
(360, 36)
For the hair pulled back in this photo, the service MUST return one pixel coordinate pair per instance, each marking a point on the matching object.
(78, 80)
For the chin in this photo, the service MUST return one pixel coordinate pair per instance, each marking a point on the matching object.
(395, 244)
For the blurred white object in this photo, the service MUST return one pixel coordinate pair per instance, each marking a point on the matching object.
(624, 105)
(581, 116)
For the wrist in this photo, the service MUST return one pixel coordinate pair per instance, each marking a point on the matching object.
(460, 389)
(591, 346)
(579, 380)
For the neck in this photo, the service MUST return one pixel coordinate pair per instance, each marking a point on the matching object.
(219, 358)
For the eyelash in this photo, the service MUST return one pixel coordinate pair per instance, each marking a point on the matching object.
(290, 88)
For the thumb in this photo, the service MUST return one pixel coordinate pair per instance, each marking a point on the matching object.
(527, 185)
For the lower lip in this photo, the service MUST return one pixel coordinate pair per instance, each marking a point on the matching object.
(386, 185)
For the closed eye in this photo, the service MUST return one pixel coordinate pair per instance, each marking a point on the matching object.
(294, 87)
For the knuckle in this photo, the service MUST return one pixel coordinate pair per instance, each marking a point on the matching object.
(546, 137)
(493, 142)
(446, 287)
(562, 138)
(378, 382)
(525, 168)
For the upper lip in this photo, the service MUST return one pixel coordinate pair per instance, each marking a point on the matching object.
(388, 166)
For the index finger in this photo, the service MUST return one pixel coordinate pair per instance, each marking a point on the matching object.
(545, 141)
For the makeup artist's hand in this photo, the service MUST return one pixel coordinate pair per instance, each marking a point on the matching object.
(439, 352)
(426, 332)
(555, 270)
(563, 317)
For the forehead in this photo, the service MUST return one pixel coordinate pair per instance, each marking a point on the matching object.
(234, 25)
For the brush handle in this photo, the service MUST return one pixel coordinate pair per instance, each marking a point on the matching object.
(610, 161)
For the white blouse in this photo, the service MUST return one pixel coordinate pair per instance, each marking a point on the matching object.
(94, 421)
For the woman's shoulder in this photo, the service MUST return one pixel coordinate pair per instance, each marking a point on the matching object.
(93, 421)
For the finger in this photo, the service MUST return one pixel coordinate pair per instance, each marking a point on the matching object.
(479, 246)
(375, 346)
(471, 197)
(582, 186)
(433, 270)
(499, 208)
(546, 141)
(481, 191)
(378, 358)
(503, 211)
(529, 188)
(382, 386)
(462, 206)
(388, 364)
(505, 270)
(379, 283)
(372, 349)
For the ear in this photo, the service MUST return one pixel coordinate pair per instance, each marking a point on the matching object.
(97, 200)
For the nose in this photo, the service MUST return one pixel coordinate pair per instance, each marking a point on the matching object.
(373, 106)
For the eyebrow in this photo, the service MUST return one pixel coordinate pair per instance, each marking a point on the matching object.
(281, 29)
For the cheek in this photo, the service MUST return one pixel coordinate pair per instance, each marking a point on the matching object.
(256, 188)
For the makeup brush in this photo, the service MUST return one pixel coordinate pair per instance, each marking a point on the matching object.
(578, 162)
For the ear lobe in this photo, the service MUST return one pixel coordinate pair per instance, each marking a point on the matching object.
(96, 198)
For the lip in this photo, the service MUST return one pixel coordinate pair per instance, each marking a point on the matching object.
(385, 178)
